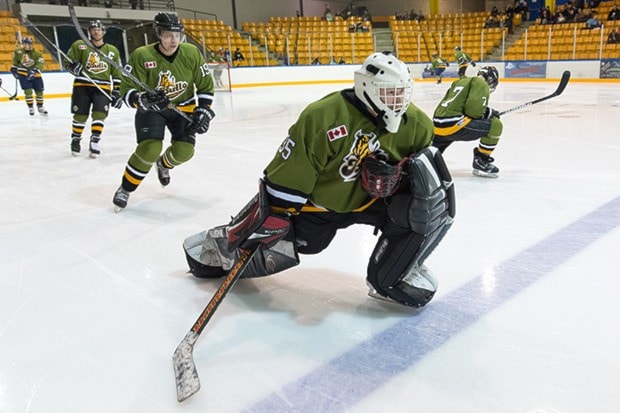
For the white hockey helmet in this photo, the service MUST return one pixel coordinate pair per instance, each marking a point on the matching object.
(384, 84)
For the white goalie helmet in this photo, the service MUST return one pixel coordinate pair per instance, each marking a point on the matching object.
(384, 84)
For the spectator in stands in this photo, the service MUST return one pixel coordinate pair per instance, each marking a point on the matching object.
(341, 61)
(614, 13)
(83, 3)
(593, 4)
(327, 14)
(366, 16)
(593, 22)
(569, 12)
(133, 4)
(316, 61)
(226, 55)
(108, 4)
(352, 27)
(238, 56)
(614, 37)
(581, 16)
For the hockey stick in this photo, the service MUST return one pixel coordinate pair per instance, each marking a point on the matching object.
(563, 82)
(14, 95)
(31, 26)
(185, 372)
(124, 71)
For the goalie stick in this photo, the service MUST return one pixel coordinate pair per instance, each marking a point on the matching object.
(31, 26)
(563, 82)
(124, 71)
(185, 372)
(14, 95)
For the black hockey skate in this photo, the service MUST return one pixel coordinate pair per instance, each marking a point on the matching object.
(483, 165)
(163, 173)
(120, 198)
(93, 147)
(75, 146)
(41, 110)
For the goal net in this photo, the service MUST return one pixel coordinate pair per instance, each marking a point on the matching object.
(221, 75)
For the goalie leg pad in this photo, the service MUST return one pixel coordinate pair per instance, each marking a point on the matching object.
(208, 256)
(420, 220)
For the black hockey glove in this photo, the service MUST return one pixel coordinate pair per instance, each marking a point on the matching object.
(379, 178)
(14, 71)
(32, 73)
(491, 113)
(75, 68)
(473, 64)
(117, 102)
(201, 118)
(155, 100)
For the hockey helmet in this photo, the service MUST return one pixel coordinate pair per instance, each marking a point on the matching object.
(490, 75)
(167, 21)
(27, 40)
(95, 24)
(457, 48)
(384, 84)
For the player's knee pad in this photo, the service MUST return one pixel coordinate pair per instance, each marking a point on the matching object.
(425, 214)
(496, 128)
(181, 152)
(147, 152)
(96, 115)
(81, 118)
(208, 256)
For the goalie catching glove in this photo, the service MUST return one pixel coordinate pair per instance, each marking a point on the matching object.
(201, 118)
(379, 178)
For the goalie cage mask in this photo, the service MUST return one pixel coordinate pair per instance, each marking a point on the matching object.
(384, 84)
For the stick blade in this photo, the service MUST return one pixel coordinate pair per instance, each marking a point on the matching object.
(563, 82)
(185, 372)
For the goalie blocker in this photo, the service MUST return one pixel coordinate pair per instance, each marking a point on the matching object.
(421, 212)
(212, 253)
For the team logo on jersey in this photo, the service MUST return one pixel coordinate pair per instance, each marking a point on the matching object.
(150, 65)
(168, 83)
(27, 62)
(337, 133)
(94, 64)
(363, 144)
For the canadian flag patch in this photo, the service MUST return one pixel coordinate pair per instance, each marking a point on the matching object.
(150, 65)
(337, 133)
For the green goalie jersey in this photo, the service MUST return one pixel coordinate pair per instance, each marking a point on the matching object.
(183, 76)
(94, 66)
(320, 160)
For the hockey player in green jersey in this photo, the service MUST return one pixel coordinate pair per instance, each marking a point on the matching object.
(462, 59)
(438, 66)
(356, 156)
(464, 115)
(27, 67)
(96, 86)
(177, 96)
